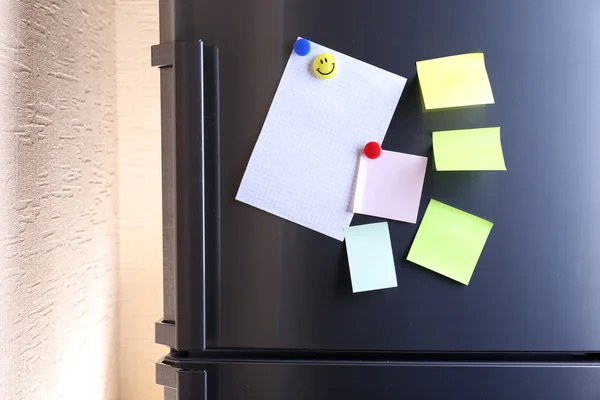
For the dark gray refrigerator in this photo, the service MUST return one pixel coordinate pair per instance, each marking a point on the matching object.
(256, 307)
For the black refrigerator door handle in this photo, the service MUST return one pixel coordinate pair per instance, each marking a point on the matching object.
(180, 384)
(189, 84)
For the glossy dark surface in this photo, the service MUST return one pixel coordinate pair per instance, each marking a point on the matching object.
(280, 285)
(232, 381)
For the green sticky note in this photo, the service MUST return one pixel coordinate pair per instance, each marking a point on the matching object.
(454, 81)
(449, 241)
(468, 150)
(370, 257)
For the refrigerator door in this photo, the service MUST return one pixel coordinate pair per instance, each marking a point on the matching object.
(238, 277)
(292, 381)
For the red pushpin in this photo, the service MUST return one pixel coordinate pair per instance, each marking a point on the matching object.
(372, 150)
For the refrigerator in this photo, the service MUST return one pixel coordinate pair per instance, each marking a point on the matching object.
(257, 307)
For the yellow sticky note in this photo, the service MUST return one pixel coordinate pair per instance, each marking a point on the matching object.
(449, 241)
(468, 150)
(454, 81)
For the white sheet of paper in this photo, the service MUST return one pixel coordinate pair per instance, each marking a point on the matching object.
(390, 186)
(304, 162)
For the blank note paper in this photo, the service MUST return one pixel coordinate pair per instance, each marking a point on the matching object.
(304, 163)
(390, 186)
(449, 241)
(468, 150)
(370, 257)
(454, 81)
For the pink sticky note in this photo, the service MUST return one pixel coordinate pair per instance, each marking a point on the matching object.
(390, 186)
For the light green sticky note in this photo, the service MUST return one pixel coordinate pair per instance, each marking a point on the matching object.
(468, 150)
(370, 257)
(449, 241)
(454, 81)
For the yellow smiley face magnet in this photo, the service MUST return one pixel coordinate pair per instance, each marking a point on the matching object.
(325, 66)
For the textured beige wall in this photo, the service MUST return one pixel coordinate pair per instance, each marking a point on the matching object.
(140, 237)
(58, 200)
(73, 74)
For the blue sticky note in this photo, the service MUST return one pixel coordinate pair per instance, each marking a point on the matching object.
(370, 257)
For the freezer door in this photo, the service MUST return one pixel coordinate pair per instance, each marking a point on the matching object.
(289, 381)
(238, 277)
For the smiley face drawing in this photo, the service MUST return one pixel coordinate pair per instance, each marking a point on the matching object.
(325, 66)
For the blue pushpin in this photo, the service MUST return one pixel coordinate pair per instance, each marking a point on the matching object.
(302, 47)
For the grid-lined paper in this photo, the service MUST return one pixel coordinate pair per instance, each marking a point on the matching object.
(304, 162)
